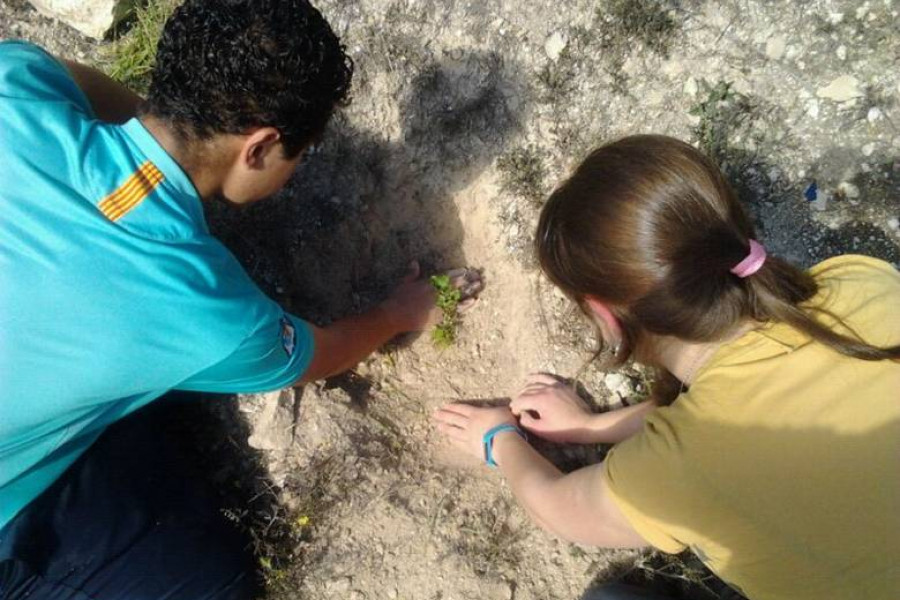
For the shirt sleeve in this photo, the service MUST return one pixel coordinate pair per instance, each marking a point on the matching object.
(28, 72)
(644, 477)
(275, 355)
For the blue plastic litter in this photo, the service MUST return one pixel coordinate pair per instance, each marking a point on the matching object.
(812, 192)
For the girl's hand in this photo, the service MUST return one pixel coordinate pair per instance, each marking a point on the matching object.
(466, 425)
(553, 411)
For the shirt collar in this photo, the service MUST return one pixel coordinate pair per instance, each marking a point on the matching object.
(175, 177)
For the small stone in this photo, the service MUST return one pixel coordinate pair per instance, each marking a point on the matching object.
(812, 108)
(554, 46)
(338, 585)
(615, 382)
(775, 47)
(849, 190)
(821, 202)
(894, 223)
(842, 52)
(868, 149)
(91, 17)
(874, 114)
(690, 87)
(841, 89)
(357, 595)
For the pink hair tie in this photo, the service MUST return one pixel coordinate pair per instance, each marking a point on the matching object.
(752, 263)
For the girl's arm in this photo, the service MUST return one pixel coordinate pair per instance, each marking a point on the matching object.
(576, 507)
(552, 410)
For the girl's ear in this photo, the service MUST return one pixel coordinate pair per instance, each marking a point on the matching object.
(609, 323)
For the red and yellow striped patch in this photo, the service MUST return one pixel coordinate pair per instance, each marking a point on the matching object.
(131, 193)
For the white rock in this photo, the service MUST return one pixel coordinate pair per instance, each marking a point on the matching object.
(91, 17)
(842, 52)
(616, 383)
(894, 223)
(775, 47)
(849, 190)
(272, 424)
(554, 46)
(868, 149)
(812, 108)
(841, 89)
(874, 114)
(690, 87)
(821, 202)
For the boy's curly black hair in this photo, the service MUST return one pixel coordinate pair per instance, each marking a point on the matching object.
(224, 66)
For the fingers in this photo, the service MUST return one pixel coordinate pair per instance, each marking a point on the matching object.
(454, 433)
(451, 418)
(465, 305)
(543, 378)
(467, 281)
(458, 408)
(529, 421)
(523, 403)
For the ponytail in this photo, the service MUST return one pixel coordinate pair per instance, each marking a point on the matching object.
(779, 291)
(649, 226)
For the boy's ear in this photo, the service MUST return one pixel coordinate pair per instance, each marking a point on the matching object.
(612, 327)
(258, 146)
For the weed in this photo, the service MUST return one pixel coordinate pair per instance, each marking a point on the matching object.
(522, 173)
(684, 570)
(644, 21)
(489, 541)
(130, 60)
(448, 297)
(618, 28)
(722, 112)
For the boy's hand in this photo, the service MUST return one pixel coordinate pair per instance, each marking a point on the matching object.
(412, 305)
(465, 425)
(552, 410)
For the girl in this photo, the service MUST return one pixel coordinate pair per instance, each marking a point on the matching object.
(771, 447)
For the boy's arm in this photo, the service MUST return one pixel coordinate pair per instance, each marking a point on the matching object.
(111, 101)
(341, 346)
(412, 307)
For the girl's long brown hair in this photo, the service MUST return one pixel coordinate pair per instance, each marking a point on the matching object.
(649, 225)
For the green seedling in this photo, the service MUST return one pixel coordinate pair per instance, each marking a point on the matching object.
(448, 296)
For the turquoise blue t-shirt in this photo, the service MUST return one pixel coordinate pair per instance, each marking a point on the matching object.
(112, 291)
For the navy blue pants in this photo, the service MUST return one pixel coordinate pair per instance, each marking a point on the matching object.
(132, 519)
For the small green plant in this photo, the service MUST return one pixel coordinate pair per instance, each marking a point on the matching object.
(448, 297)
(723, 113)
(131, 58)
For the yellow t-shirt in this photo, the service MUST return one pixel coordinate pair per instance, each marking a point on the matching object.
(780, 467)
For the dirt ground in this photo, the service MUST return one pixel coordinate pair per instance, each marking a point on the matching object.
(464, 116)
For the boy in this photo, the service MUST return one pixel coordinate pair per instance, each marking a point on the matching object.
(113, 292)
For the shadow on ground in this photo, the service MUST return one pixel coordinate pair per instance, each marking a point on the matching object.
(342, 233)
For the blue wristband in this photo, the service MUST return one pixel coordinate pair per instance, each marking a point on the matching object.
(488, 441)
